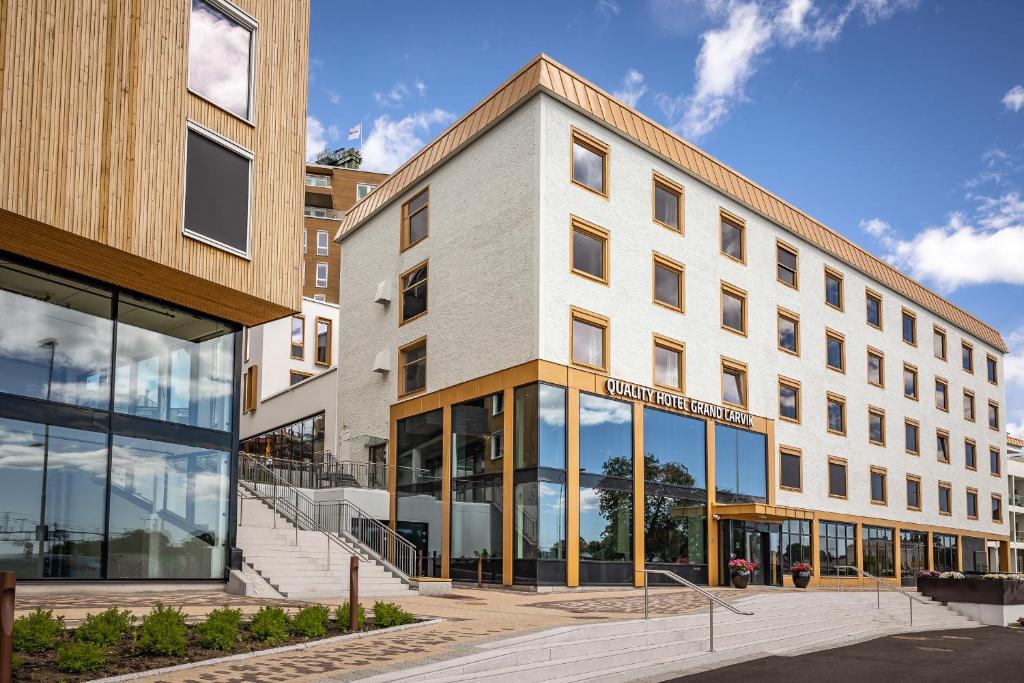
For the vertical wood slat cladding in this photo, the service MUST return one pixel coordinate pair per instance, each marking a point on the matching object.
(93, 104)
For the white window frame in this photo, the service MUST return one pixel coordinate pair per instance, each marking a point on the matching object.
(199, 129)
(318, 280)
(320, 297)
(326, 240)
(247, 21)
(365, 188)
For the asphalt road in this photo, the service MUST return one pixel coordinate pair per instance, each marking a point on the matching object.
(975, 655)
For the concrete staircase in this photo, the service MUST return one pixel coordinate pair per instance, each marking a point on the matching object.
(301, 571)
(785, 623)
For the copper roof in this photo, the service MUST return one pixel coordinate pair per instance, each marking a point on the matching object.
(543, 73)
(1014, 441)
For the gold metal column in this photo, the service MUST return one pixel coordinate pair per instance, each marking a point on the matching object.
(638, 494)
(508, 489)
(713, 554)
(446, 491)
(572, 492)
(897, 558)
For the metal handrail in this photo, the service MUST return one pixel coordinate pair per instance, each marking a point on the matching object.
(878, 588)
(352, 522)
(712, 600)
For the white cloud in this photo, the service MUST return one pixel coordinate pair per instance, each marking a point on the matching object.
(393, 97)
(421, 88)
(875, 227)
(333, 96)
(608, 8)
(599, 411)
(318, 136)
(633, 88)
(392, 142)
(1014, 99)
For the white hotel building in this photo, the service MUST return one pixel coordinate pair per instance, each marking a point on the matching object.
(557, 285)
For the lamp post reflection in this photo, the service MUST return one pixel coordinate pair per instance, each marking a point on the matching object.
(42, 531)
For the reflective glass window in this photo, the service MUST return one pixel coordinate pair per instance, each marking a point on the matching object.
(740, 464)
(606, 524)
(674, 449)
(539, 426)
(606, 436)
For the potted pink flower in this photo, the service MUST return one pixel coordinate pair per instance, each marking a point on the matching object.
(801, 574)
(741, 570)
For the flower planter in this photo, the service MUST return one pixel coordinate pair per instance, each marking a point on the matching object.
(801, 579)
(740, 580)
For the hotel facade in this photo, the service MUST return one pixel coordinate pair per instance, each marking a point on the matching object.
(592, 348)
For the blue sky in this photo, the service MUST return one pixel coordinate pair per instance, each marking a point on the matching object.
(898, 123)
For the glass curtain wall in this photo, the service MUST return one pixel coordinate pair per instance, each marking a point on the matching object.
(975, 555)
(879, 552)
(163, 427)
(796, 543)
(419, 455)
(944, 551)
(837, 546)
(913, 553)
(675, 495)
(741, 465)
(606, 490)
(539, 520)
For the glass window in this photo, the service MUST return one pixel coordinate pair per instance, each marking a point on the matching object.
(879, 553)
(874, 310)
(993, 415)
(786, 260)
(909, 328)
(323, 341)
(972, 504)
(588, 340)
(942, 446)
(589, 251)
(796, 543)
(56, 337)
(944, 546)
(837, 478)
(997, 508)
(732, 238)
(836, 415)
(588, 163)
(60, 475)
(837, 547)
(363, 189)
(913, 493)
(834, 352)
(298, 337)
(992, 368)
(539, 426)
(668, 283)
(416, 219)
(913, 552)
(994, 458)
(674, 531)
(740, 465)
(912, 432)
(321, 242)
(317, 180)
(606, 525)
(539, 521)
(734, 314)
(668, 365)
(294, 377)
(789, 400)
(967, 356)
(667, 204)
(970, 455)
(606, 436)
(674, 450)
(477, 510)
(876, 369)
(168, 510)
(909, 382)
(413, 362)
(939, 344)
(321, 275)
(418, 457)
(789, 333)
(414, 292)
(790, 471)
(941, 395)
(474, 427)
(876, 427)
(172, 365)
(833, 289)
(220, 48)
(968, 406)
(217, 189)
(945, 499)
(734, 385)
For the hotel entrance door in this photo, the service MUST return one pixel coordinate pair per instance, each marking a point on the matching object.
(757, 542)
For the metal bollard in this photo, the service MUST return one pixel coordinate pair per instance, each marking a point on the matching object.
(7, 583)
(479, 570)
(353, 594)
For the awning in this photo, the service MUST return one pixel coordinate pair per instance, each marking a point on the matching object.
(759, 512)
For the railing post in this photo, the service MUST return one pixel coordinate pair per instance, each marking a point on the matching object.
(479, 570)
(711, 624)
(7, 585)
(328, 539)
(911, 611)
(878, 593)
(837, 578)
(646, 595)
(353, 594)
(275, 503)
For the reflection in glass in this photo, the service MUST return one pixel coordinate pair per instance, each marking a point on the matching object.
(732, 311)
(168, 510)
(674, 450)
(172, 365)
(587, 343)
(539, 426)
(539, 531)
(944, 547)
(833, 291)
(667, 370)
(476, 522)
(588, 253)
(218, 58)
(913, 552)
(606, 524)
(587, 167)
(837, 547)
(787, 334)
(55, 338)
(58, 474)
(879, 555)
(796, 542)
(476, 433)
(734, 389)
(732, 239)
(667, 286)
(606, 436)
(674, 530)
(666, 206)
(740, 465)
(419, 456)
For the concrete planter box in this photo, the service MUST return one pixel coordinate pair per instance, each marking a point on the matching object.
(991, 601)
(430, 586)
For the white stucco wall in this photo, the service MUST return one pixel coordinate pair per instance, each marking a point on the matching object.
(270, 347)
(482, 278)
(634, 319)
(311, 396)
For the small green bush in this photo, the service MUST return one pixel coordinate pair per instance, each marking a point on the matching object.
(341, 614)
(269, 624)
(80, 656)
(105, 628)
(387, 614)
(311, 622)
(15, 662)
(220, 630)
(163, 631)
(37, 632)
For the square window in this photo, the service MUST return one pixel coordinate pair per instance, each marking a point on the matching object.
(296, 376)
(734, 383)
(968, 406)
(836, 478)
(879, 495)
(589, 163)
(942, 446)
(789, 400)
(941, 394)
(412, 362)
(414, 283)
(836, 410)
(876, 368)
(909, 327)
(994, 461)
(967, 357)
(939, 344)
(732, 237)
(945, 499)
(221, 44)
(790, 474)
(873, 304)
(970, 455)
(298, 337)
(668, 203)
(321, 242)
(734, 309)
(589, 340)
(912, 436)
(321, 275)
(668, 282)
(416, 219)
(668, 363)
(363, 189)
(910, 381)
(217, 191)
(589, 250)
(833, 289)
(913, 493)
(789, 332)
(876, 426)
(786, 266)
(992, 369)
(835, 354)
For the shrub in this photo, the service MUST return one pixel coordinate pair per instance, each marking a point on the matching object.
(105, 628)
(951, 575)
(269, 624)
(387, 614)
(75, 657)
(37, 632)
(220, 630)
(15, 662)
(163, 631)
(343, 618)
(311, 622)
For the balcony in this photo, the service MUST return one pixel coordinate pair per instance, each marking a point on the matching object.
(320, 212)
(1017, 501)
